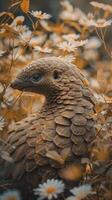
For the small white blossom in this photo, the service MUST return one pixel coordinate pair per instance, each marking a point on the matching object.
(71, 46)
(67, 6)
(50, 189)
(80, 192)
(37, 40)
(21, 28)
(67, 46)
(65, 15)
(10, 195)
(42, 49)
(2, 123)
(18, 21)
(80, 43)
(71, 37)
(87, 22)
(71, 13)
(105, 7)
(102, 23)
(68, 58)
(40, 15)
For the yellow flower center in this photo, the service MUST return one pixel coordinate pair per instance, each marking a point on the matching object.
(51, 190)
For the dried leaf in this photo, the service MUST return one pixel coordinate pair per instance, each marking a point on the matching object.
(15, 4)
(25, 5)
(8, 14)
(55, 156)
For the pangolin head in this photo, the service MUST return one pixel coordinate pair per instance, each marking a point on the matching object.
(45, 76)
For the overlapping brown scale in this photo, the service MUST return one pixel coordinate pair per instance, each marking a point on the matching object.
(86, 103)
(65, 80)
(80, 149)
(68, 114)
(48, 134)
(77, 83)
(90, 124)
(70, 107)
(15, 136)
(20, 152)
(61, 142)
(48, 118)
(31, 141)
(78, 94)
(64, 97)
(22, 128)
(87, 93)
(49, 124)
(79, 120)
(63, 131)
(79, 109)
(31, 118)
(55, 156)
(66, 89)
(75, 88)
(66, 153)
(78, 130)
(90, 135)
(69, 102)
(62, 121)
(63, 93)
(40, 160)
(40, 149)
(20, 141)
(77, 139)
(32, 134)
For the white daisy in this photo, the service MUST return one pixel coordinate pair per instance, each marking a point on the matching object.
(71, 37)
(68, 58)
(105, 7)
(102, 23)
(50, 189)
(67, 46)
(39, 15)
(10, 195)
(43, 49)
(80, 192)
(18, 21)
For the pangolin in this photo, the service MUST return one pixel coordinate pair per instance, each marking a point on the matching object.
(58, 135)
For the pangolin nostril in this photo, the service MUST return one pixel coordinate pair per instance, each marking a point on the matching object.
(15, 84)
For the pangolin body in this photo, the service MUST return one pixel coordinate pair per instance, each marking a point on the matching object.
(62, 131)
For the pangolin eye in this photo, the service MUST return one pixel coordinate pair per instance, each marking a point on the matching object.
(36, 77)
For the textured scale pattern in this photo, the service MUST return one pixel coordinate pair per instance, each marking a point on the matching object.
(61, 133)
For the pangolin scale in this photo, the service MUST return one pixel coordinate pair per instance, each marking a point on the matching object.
(61, 133)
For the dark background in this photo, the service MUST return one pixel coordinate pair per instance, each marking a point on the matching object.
(51, 6)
